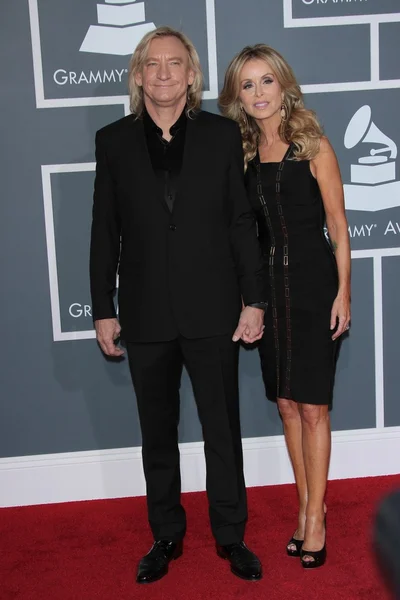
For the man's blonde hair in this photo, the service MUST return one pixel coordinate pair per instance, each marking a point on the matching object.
(138, 59)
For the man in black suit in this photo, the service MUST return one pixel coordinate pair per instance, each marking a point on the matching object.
(171, 216)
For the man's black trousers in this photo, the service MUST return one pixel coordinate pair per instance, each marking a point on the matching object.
(212, 364)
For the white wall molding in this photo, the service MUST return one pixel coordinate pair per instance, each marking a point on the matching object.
(118, 473)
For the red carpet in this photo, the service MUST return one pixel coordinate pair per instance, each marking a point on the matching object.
(89, 550)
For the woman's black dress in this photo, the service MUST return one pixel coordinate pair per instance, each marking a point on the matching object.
(297, 353)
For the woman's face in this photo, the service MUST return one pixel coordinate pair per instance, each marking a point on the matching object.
(260, 92)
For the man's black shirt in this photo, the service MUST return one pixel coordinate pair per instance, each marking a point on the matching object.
(166, 157)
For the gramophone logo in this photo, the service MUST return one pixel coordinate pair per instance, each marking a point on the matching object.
(82, 59)
(373, 184)
(121, 26)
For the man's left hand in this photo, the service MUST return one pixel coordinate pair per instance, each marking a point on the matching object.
(251, 325)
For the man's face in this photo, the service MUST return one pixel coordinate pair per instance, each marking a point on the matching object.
(166, 72)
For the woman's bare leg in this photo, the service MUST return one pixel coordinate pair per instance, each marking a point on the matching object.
(316, 452)
(292, 425)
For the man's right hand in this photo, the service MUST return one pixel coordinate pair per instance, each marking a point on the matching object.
(107, 331)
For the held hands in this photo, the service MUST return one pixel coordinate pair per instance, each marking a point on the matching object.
(107, 331)
(340, 314)
(251, 325)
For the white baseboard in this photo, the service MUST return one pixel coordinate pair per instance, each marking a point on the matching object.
(118, 473)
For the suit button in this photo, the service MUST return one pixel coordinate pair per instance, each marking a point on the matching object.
(172, 227)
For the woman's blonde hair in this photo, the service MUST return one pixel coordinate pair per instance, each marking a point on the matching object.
(300, 125)
(138, 59)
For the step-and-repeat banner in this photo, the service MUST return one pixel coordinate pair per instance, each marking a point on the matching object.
(66, 79)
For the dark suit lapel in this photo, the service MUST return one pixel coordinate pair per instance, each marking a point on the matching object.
(144, 166)
(191, 153)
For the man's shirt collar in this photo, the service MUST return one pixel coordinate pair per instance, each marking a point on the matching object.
(150, 124)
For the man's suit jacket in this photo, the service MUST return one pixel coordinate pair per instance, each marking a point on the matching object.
(181, 272)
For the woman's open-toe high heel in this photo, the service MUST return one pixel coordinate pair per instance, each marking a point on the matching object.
(294, 542)
(318, 556)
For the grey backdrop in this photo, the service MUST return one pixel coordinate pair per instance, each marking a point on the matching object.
(59, 396)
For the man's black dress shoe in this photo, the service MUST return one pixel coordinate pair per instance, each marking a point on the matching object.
(244, 563)
(154, 565)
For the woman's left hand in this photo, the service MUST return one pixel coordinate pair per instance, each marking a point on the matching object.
(340, 314)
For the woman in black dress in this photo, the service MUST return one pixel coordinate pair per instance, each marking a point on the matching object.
(295, 187)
